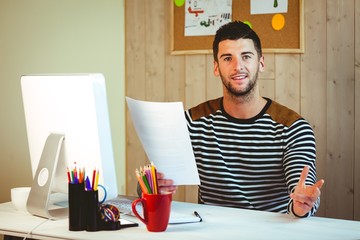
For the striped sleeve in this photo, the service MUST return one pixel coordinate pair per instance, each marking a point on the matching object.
(300, 151)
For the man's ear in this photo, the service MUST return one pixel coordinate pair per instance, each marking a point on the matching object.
(262, 64)
(216, 69)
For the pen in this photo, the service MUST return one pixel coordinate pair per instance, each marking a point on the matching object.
(198, 215)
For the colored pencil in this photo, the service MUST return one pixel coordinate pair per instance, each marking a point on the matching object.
(142, 184)
(96, 181)
(153, 172)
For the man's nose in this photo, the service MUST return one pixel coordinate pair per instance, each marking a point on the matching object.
(238, 63)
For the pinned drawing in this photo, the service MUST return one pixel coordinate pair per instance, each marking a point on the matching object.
(204, 17)
(268, 7)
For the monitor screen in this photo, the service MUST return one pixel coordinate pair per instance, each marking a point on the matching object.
(73, 106)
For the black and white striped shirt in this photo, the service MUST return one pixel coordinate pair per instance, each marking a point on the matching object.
(251, 163)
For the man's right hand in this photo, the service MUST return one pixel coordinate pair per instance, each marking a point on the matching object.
(165, 185)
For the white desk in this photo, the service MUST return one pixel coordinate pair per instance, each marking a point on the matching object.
(218, 223)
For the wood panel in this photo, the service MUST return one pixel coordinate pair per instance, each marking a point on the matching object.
(155, 51)
(195, 79)
(135, 84)
(323, 84)
(357, 114)
(175, 78)
(313, 80)
(213, 84)
(269, 72)
(267, 78)
(340, 109)
(267, 88)
(287, 75)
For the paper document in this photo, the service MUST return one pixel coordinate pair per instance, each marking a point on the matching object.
(163, 132)
(268, 7)
(179, 218)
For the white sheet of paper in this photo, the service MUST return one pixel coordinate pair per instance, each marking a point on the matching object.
(267, 6)
(204, 17)
(162, 130)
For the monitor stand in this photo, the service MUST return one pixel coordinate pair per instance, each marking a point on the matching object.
(38, 201)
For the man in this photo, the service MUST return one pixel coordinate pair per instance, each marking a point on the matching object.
(251, 152)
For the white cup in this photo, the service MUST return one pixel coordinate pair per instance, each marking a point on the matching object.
(19, 197)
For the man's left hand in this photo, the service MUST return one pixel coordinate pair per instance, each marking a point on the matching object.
(305, 196)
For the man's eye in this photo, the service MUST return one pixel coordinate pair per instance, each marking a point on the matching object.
(245, 57)
(227, 59)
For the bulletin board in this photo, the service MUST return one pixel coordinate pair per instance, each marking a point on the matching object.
(290, 39)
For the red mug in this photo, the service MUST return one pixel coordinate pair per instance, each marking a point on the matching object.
(156, 211)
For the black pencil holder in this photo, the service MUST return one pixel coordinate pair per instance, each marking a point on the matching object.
(77, 211)
(92, 211)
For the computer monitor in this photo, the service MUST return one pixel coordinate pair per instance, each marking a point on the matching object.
(67, 123)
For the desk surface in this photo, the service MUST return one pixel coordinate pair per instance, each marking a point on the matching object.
(218, 223)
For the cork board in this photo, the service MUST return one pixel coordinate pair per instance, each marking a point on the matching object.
(290, 39)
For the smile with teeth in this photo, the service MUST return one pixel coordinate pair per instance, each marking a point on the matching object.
(239, 76)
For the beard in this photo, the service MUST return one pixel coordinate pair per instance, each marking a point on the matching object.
(244, 93)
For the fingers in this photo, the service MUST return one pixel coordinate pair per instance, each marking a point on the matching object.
(159, 175)
(308, 199)
(165, 185)
(319, 183)
(308, 195)
(168, 189)
(165, 182)
(303, 176)
(305, 205)
(301, 209)
(305, 196)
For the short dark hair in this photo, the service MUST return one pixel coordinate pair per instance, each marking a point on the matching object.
(233, 31)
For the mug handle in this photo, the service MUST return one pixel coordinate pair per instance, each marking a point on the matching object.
(133, 206)
(105, 193)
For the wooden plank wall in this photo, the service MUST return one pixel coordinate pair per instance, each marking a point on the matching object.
(357, 113)
(323, 84)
